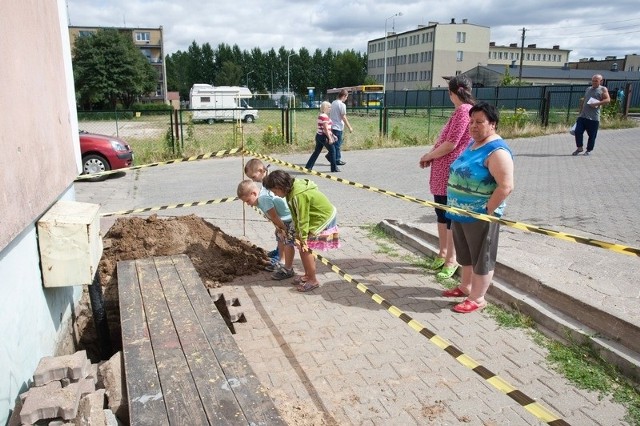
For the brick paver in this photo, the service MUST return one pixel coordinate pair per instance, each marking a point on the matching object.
(336, 353)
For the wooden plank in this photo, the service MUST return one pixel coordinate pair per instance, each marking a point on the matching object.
(180, 393)
(216, 396)
(146, 403)
(253, 398)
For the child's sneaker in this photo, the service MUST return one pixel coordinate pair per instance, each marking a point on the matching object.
(274, 254)
(274, 265)
(282, 274)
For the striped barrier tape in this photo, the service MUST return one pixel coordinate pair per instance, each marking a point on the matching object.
(162, 163)
(619, 248)
(172, 206)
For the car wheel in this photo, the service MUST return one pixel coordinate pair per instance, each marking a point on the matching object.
(249, 119)
(95, 164)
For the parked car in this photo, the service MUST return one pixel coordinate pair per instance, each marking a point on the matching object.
(101, 153)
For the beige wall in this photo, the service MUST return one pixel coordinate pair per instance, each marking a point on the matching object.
(474, 50)
(38, 162)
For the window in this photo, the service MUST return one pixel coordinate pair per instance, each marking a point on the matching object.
(85, 33)
(461, 37)
(459, 55)
(143, 36)
(205, 99)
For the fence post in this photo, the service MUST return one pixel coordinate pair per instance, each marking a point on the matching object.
(546, 105)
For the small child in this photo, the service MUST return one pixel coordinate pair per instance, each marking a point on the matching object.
(276, 209)
(314, 218)
(256, 171)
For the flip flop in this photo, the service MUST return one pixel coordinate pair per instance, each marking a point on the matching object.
(307, 286)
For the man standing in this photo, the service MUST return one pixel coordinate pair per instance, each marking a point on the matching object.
(339, 119)
(589, 117)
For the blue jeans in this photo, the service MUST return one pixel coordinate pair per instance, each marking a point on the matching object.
(591, 126)
(321, 142)
(338, 143)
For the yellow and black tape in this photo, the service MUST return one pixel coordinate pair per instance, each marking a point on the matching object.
(535, 408)
(529, 404)
(171, 206)
(162, 163)
(628, 250)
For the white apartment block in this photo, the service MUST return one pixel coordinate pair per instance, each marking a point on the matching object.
(423, 57)
(531, 55)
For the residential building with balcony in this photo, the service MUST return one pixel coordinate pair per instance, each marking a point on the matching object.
(425, 57)
(150, 43)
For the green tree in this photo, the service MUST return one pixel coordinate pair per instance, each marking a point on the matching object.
(108, 68)
(229, 75)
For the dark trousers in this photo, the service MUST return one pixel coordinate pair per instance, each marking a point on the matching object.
(322, 142)
(591, 127)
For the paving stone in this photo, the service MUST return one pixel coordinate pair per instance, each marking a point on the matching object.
(75, 367)
(50, 401)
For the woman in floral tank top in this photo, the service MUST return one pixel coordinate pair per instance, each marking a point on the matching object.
(453, 139)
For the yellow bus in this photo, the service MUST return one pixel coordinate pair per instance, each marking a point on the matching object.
(362, 96)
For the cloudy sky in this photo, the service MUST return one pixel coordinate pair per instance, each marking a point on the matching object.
(588, 28)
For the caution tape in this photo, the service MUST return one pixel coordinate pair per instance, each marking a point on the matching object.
(619, 248)
(529, 404)
(172, 206)
(162, 163)
(541, 412)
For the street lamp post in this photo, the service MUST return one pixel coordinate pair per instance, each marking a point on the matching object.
(288, 84)
(250, 72)
(384, 77)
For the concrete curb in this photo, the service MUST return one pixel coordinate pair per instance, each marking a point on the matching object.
(558, 315)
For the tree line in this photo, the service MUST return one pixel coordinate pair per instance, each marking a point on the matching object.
(109, 70)
(264, 72)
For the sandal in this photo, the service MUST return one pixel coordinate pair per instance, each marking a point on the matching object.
(437, 263)
(469, 306)
(447, 272)
(307, 286)
(300, 279)
(454, 292)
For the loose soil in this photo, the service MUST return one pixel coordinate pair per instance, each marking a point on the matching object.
(217, 257)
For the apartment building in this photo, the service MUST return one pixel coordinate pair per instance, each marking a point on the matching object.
(424, 57)
(150, 43)
(532, 56)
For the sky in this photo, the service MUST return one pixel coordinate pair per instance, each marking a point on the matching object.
(588, 28)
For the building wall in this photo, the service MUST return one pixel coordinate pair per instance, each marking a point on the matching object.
(420, 58)
(458, 47)
(39, 164)
(532, 56)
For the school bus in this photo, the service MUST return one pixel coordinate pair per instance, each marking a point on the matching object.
(362, 96)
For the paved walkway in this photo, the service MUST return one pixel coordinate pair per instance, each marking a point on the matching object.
(334, 356)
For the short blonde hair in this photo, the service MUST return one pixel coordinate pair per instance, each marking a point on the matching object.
(252, 166)
(245, 187)
(324, 107)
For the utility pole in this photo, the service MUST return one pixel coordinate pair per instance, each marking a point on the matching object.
(521, 56)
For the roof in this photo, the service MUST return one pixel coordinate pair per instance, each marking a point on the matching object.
(562, 73)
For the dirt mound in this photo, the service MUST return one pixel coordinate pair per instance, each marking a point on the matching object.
(217, 257)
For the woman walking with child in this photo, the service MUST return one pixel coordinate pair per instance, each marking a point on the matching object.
(324, 139)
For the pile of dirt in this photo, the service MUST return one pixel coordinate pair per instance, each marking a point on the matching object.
(217, 257)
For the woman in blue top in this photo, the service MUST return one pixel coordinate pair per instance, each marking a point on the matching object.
(479, 180)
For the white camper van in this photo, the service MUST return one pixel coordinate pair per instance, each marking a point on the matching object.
(221, 103)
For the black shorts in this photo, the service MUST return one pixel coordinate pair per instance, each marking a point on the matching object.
(442, 199)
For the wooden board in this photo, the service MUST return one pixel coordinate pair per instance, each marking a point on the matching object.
(182, 365)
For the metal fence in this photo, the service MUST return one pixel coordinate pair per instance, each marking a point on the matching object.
(410, 117)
